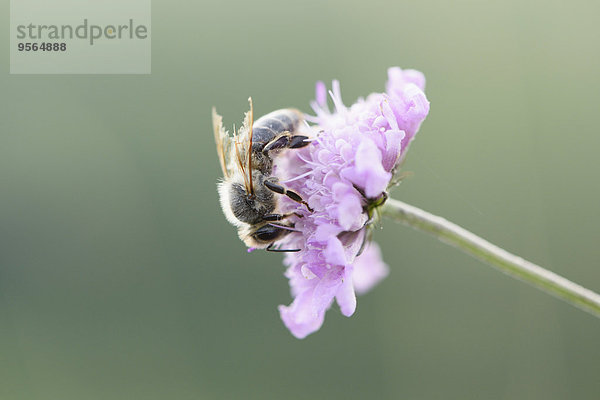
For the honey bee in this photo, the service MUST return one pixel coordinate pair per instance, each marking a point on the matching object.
(248, 192)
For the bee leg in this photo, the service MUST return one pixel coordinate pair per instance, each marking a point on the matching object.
(298, 141)
(286, 141)
(270, 248)
(277, 188)
(279, 217)
(279, 142)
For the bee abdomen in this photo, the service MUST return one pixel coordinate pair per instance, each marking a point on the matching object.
(269, 126)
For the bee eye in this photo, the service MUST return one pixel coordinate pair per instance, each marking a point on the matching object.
(268, 233)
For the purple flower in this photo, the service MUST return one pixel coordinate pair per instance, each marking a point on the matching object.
(343, 175)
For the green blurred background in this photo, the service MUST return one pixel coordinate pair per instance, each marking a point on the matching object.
(121, 279)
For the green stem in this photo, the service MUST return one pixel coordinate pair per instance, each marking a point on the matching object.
(483, 250)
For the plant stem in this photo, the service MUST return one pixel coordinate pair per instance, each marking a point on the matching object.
(483, 250)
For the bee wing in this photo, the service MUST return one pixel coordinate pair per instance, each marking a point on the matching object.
(242, 150)
(237, 149)
(247, 129)
(223, 141)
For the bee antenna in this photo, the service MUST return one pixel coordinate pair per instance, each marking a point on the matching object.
(236, 143)
(250, 124)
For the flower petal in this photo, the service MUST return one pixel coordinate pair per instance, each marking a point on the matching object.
(369, 269)
(300, 318)
(345, 296)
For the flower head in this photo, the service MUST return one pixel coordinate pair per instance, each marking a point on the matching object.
(343, 175)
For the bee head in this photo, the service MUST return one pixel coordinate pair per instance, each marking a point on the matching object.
(262, 236)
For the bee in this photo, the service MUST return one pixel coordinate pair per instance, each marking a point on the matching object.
(249, 193)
